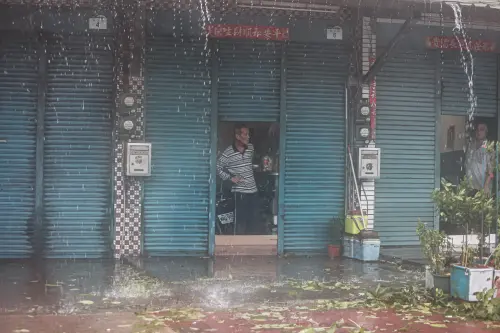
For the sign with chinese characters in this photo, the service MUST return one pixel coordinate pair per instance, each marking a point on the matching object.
(334, 33)
(451, 43)
(98, 23)
(247, 32)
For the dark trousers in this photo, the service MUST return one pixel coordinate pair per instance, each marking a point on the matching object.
(245, 209)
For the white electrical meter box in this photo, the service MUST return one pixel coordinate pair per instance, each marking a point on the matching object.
(369, 163)
(138, 159)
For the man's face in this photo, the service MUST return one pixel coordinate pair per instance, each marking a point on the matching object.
(481, 132)
(243, 136)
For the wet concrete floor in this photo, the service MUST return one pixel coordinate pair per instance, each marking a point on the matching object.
(90, 286)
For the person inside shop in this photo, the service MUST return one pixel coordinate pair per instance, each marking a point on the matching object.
(236, 165)
(479, 162)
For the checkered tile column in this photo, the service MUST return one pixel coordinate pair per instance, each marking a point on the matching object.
(128, 190)
(133, 212)
(368, 55)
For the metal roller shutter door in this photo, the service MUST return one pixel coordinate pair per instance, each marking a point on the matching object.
(315, 145)
(78, 154)
(176, 204)
(406, 125)
(456, 88)
(249, 81)
(18, 110)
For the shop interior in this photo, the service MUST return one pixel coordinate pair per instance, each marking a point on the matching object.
(264, 136)
(453, 143)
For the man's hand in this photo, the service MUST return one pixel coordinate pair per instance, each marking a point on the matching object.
(236, 180)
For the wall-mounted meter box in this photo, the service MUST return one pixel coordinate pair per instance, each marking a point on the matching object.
(369, 163)
(138, 159)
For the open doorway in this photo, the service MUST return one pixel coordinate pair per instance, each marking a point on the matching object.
(453, 144)
(247, 210)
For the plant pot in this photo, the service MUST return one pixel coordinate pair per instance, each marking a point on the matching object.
(429, 279)
(441, 282)
(466, 282)
(333, 251)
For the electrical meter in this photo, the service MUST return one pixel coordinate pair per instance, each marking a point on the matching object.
(369, 163)
(138, 159)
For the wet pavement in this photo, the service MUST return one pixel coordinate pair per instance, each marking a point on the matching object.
(68, 287)
(233, 294)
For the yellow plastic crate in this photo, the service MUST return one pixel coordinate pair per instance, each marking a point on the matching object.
(350, 224)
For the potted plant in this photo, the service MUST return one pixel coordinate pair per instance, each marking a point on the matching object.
(472, 211)
(436, 249)
(336, 232)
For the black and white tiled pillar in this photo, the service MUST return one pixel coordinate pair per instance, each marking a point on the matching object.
(368, 56)
(129, 76)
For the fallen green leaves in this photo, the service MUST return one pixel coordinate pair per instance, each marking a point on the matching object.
(341, 324)
(416, 299)
(314, 285)
(174, 315)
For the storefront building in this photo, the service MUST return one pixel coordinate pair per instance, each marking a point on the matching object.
(422, 106)
(296, 79)
(65, 190)
(65, 193)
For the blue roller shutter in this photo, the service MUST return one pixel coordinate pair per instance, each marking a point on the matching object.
(77, 159)
(178, 126)
(249, 81)
(18, 99)
(315, 145)
(406, 125)
(456, 89)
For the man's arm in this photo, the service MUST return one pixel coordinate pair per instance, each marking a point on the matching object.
(221, 165)
(490, 172)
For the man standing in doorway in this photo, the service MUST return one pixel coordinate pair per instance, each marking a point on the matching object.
(479, 163)
(235, 164)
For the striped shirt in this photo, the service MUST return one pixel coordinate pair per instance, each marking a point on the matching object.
(232, 163)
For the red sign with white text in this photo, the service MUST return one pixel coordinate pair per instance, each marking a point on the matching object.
(451, 43)
(247, 32)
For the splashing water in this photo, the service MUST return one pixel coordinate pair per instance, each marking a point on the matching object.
(467, 62)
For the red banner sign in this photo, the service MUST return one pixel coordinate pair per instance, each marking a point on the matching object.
(247, 32)
(451, 43)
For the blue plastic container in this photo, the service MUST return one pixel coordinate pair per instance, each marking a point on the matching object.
(367, 249)
(466, 282)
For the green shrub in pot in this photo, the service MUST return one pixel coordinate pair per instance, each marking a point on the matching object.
(435, 248)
